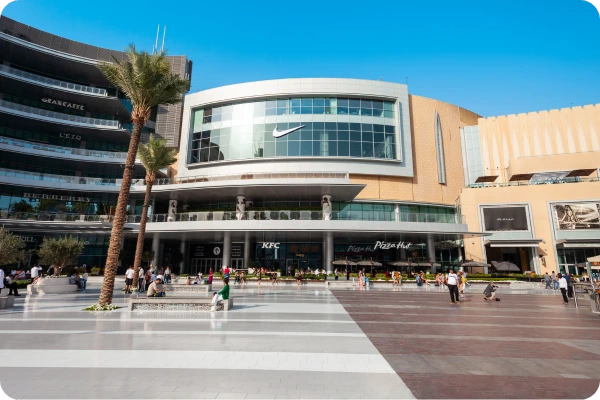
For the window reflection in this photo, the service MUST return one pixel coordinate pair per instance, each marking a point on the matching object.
(243, 134)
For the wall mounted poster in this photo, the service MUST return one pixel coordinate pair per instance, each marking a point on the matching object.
(505, 219)
(575, 216)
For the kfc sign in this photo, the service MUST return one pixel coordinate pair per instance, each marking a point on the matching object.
(270, 245)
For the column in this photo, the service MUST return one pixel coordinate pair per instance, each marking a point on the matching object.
(227, 249)
(172, 211)
(240, 208)
(131, 206)
(431, 251)
(246, 249)
(155, 249)
(184, 258)
(328, 252)
(403, 254)
(397, 212)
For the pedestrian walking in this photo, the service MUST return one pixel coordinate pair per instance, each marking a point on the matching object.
(347, 273)
(548, 280)
(562, 283)
(554, 280)
(128, 279)
(141, 279)
(210, 276)
(462, 284)
(570, 282)
(336, 273)
(452, 283)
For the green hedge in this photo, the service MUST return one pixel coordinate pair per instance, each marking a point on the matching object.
(22, 284)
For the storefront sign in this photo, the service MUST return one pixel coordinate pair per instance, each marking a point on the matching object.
(216, 250)
(505, 219)
(576, 216)
(70, 136)
(580, 245)
(237, 250)
(56, 197)
(360, 249)
(27, 239)
(63, 103)
(387, 246)
(270, 245)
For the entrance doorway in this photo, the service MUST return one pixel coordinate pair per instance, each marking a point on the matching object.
(204, 265)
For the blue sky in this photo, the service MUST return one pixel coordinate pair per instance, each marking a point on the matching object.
(494, 57)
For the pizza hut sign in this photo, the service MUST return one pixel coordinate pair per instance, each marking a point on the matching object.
(387, 245)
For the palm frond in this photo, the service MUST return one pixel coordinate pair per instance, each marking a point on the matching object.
(155, 156)
(146, 79)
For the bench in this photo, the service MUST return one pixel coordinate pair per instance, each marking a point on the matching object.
(177, 304)
(6, 301)
(186, 290)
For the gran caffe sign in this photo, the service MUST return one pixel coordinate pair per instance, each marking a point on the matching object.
(61, 103)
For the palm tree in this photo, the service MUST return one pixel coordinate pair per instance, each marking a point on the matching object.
(155, 156)
(146, 79)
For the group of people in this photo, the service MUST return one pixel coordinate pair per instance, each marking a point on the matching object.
(146, 278)
(78, 278)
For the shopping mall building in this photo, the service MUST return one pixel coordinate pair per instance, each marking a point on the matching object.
(293, 173)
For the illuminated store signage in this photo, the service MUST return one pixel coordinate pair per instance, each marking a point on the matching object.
(63, 103)
(70, 136)
(270, 245)
(387, 245)
(56, 197)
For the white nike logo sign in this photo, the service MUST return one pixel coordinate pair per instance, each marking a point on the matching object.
(277, 133)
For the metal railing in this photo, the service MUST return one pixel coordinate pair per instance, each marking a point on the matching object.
(64, 150)
(52, 82)
(80, 180)
(529, 183)
(302, 215)
(104, 123)
(257, 175)
(54, 216)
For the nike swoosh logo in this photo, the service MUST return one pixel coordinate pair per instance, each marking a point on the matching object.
(277, 133)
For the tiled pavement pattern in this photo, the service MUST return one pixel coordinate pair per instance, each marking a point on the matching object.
(275, 343)
(525, 346)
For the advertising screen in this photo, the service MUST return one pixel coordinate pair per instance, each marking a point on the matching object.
(574, 216)
(505, 219)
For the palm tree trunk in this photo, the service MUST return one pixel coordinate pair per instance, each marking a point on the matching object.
(114, 248)
(139, 249)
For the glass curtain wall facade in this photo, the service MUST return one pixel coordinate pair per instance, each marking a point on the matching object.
(245, 130)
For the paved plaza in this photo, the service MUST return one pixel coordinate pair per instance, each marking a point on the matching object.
(308, 342)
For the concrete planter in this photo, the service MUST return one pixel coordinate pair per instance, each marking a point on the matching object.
(51, 286)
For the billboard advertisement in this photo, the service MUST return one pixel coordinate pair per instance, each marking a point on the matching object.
(573, 216)
(505, 219)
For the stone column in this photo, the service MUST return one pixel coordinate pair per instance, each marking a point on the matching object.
(397, 212)
(431, 251)
(326, 207)
(172, 212)
(246, 249)
(240, 207)
(227, 249)
(328, 251)
(184, 258)
(155, 249)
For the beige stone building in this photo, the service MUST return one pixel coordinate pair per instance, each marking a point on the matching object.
(531, 183)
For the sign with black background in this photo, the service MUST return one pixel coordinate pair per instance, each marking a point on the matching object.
(505, 219)
(215, 250)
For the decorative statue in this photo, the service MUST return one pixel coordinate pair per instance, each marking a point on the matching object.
(240, 207)
(172, 210)
(326, 206)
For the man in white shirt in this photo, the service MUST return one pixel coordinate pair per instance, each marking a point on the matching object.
(452, 282)
(35, 272)
(128, 279)
(141, 280)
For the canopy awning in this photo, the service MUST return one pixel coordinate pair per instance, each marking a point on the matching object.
(594, 259)
(513, 242)
(486, 179)
(581, 172)
(577, 243)
(343, 262)
(521, 177)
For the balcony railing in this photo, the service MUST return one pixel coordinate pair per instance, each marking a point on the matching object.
(80, 180)
(54, 216)
(95, 122)
(258, 175)
(303, 215)
(6, 70)
(530, 183)
(64, 150)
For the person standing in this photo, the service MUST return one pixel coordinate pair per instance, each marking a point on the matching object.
(168, 275)
(141, 280)
(1, 279)
(548, 280)
(452, 283)
(35, 273)
(347, 273)
(562, 283)
(336, 273)
(570, 282)
(210, 276)
(128, 279)
(84, 279)
(462, 283)
(554, 280)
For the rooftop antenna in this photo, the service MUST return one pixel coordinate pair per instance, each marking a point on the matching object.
(407, 80)
(162, 48)
(380, 79)
(156, 42)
